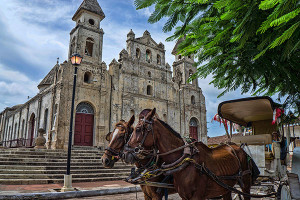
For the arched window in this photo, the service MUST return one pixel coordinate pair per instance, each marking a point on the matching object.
(15, 131)
(149, 90)
(92, 22)
(190, 75)
(72, 46)
(158, 59)
(23, 129)
(87, 77)
(54, 117)
(149, 74)
(189, 57)
(138, 53)
(46, 120)
(85, 108)
(193, 100)
(89, 46)
(179, 57)
(148, 55)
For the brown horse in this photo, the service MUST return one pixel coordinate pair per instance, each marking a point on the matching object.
(118, 138)
(190, 182)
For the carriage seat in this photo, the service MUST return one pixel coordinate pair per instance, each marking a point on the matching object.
(262, 139)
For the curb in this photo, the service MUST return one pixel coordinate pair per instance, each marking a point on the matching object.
(72, 194)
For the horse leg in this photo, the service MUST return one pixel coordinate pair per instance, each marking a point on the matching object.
(246, 186)
(227, 196)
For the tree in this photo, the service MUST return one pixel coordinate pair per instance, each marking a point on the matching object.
(247, 44)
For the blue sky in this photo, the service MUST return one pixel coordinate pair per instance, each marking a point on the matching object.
(34, 33)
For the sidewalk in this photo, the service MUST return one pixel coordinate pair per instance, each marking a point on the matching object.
(49, 191)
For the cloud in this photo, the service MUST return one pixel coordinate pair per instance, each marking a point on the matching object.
(15, 87)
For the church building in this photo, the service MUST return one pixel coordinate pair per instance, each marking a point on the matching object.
(140, 78)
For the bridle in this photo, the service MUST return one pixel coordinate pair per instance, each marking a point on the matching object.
(128, 132)
(139, 152)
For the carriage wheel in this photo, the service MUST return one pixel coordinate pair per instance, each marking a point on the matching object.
(284, 193)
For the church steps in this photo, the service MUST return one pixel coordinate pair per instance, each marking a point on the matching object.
(52, 157)
(46, 163)
(32, 167)
(61, 176)
(36, 166)
(55, 181)
(29, 159)
(61, 171)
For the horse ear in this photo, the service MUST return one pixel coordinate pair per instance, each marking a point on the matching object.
(151, 114)
(107, 137)
(131, 121)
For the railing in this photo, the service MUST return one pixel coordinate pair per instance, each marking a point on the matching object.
(21, 142)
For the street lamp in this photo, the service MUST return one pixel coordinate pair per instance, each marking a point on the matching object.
(75, 60)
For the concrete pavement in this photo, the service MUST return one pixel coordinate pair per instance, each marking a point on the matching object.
(51, 191)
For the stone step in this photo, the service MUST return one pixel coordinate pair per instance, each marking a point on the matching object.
(49, 160)
(57, 164)
(50, 152)
(62, 171)
(51, 157)
(60, 176)
(55, 181)
(33, 167)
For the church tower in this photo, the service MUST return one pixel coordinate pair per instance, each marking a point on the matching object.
(184, 65)
(191, 99)
(87, 37)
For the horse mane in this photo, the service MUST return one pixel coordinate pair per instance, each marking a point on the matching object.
(170, 128)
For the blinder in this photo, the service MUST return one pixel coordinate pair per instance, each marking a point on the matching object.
(114, 153)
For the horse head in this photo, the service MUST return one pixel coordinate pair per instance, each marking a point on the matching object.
(141, 142)
(117, 139)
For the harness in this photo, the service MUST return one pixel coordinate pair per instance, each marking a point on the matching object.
(186, 159)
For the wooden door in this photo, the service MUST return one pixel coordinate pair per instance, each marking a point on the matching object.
(84, 126)
(194, 132)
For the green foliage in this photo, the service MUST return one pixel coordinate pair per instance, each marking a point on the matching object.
(247, 44)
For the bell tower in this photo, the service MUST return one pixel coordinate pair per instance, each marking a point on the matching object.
(87, 36)
(184, 65)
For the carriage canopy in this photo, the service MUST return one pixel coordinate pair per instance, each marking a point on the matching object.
(254, 111)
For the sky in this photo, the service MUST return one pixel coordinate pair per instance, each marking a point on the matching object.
(34, 33)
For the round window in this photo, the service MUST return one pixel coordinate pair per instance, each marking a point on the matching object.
(92, 22)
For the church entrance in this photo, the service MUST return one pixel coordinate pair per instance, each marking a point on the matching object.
(194, 129)
(84, 125)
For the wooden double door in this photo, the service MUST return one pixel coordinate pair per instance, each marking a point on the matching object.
(84, 128)
(194, 132)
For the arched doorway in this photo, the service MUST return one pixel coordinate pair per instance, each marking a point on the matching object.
(84, 125)
(31, 129)
(194, 128)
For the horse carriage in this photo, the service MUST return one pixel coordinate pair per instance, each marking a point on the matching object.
(268, 144)
(166, 163)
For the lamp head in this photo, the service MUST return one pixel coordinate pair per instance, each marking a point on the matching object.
(76, 59)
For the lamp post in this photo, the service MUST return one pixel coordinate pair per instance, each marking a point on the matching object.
(75, 60)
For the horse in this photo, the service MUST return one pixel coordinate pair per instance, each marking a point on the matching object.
(117, 141)
(190, 181)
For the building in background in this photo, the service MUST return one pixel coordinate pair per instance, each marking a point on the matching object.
(139, 79)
